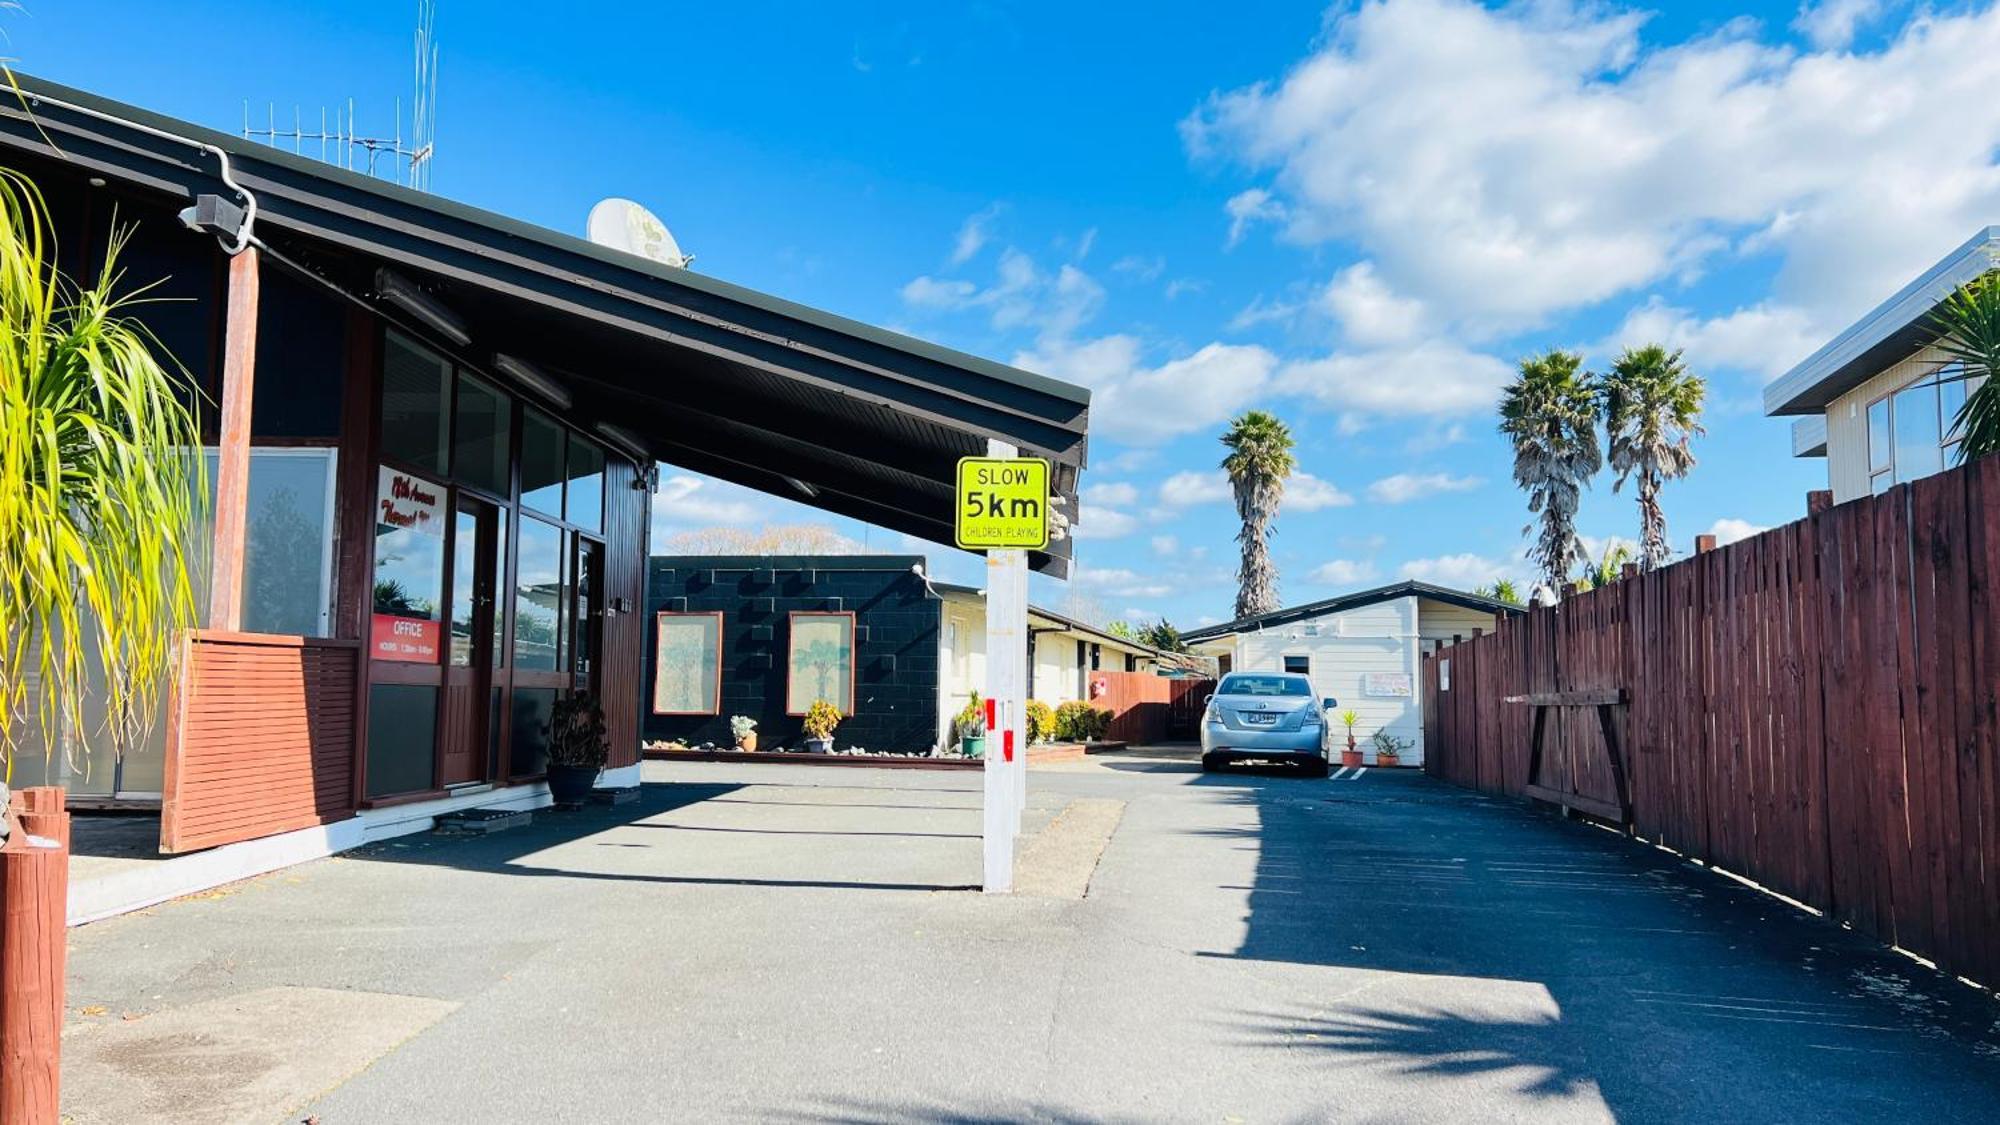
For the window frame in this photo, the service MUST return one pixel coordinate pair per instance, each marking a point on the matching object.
(853, 654)
(721, 643)
(1285, 664)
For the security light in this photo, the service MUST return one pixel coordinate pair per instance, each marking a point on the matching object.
(528, 375)
(404, 294)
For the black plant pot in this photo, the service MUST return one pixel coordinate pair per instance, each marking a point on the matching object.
(571, 785)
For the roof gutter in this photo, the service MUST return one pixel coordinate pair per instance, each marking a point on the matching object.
(234, 244)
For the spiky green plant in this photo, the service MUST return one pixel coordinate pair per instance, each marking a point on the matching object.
(1968, 327)
(1652, 414)
(1259, 460)
(1549, 413)
(102, 493)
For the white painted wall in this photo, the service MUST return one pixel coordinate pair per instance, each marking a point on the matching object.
(1344, 647)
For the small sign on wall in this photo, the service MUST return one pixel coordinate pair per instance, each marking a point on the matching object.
(1444, 674)
(1386, 685)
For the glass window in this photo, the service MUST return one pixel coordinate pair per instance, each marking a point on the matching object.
(538, 597)
(416, 386)
(402, 729)
(287, 542)
(533, 708)
(482, 436)
(464, 573)
(1951, 396)
(589, 566)
(1880, 483)
(820, 662)
(1248, 683)
(1914, 414)
(585, 504)
(409, 568)
(1878, 436)
(541, 462)
(1299, 665)
(687, 664)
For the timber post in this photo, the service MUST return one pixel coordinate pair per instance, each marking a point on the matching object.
(34, 906)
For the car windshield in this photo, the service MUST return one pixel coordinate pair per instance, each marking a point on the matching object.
(1265, 685)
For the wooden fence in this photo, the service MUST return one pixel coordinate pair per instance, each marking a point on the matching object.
(1146, 708)
(1816, 708)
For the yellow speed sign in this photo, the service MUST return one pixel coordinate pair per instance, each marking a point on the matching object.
(1003, 503)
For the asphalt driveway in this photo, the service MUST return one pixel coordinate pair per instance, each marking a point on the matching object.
(788, 943)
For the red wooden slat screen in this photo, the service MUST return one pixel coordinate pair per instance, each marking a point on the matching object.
(261, 740)
(1146, 708)
(1816, 708)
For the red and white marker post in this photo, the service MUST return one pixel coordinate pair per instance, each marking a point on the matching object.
(1006, 777)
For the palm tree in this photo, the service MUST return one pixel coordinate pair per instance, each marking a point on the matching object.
(1652, 414)
(1502, 590)
(102, 490)
(1968, 327)
(1549, 412)
(1606, 570)
(1259, 460)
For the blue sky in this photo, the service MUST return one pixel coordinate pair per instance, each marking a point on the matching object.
(1358, 217)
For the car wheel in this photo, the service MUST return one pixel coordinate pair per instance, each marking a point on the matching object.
(1318, 767)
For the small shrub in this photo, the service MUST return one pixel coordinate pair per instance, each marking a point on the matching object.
(1386, 743)
(740, 726)
(821, 718)
(1041, 721)
(1072, 721)
(1100, 724)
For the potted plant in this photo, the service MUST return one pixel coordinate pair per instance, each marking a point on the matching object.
(1352, 755)
(743, 729)
(820, 720)
(1388, 748)
(970, 727)
(577, 747)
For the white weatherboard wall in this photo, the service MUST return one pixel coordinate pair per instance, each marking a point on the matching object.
(1345, 647)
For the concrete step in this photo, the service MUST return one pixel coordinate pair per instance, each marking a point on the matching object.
(483, 822)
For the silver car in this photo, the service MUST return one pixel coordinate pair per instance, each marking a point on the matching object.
(1266, 716)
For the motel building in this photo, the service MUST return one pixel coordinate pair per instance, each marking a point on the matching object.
(433, 434)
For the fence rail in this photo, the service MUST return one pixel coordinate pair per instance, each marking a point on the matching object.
(1816, 708)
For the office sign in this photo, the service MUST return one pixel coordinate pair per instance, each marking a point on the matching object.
(1386, 685)
(1003, 503)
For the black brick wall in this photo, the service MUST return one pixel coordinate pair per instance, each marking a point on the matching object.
(896, 644)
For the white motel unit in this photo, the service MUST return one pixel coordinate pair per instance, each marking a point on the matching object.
(1878, 401)
(1363, 649)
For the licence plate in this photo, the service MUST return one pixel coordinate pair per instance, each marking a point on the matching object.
(1256, 719)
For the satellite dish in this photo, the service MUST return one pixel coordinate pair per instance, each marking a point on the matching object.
(624, 225)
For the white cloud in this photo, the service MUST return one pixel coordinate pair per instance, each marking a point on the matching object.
(1141, 267)
(1342, 572)
(1181, 285)
(1116, 494)
(1507, 163)
(1764, 339)
(973, 234)
(1252, 206)
(1431, 377)
(938, 293)
(1190, 487)
(1728, 530)
(1461, 572)
(685, 501)
(1404, 487)
(1831, 24)
(1166, 545)
(1259, 311)
(1120, 583)
(1094, 521)
(1369, 312)
(1436, 436)
(1148, 405)
(1305, 492)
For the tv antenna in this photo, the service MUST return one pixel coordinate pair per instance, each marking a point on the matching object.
(342, 142)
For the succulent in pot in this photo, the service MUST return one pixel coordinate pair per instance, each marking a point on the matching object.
(743, 729)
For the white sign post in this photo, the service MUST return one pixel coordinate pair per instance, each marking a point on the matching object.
(1006, 772)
